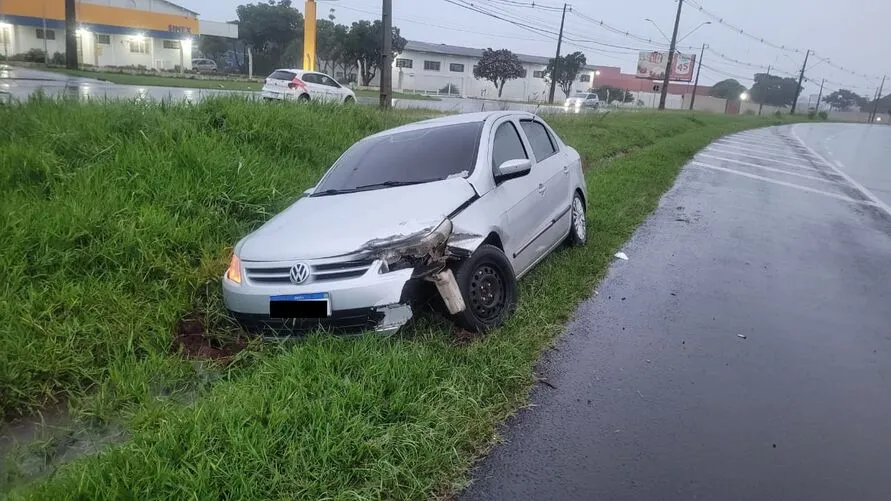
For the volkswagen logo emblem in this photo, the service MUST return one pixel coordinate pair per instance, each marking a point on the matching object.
(299, 273)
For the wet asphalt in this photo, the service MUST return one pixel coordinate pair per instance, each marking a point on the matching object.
(17, 84)
(743, 352)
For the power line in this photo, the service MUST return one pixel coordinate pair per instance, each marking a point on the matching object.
(739, 30)
(531, 5)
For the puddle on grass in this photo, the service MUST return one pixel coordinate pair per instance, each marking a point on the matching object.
(34, 446)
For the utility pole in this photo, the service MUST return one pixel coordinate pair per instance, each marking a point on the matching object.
(875, 104)
(761, 105)
(674, 40)
(387, 56)
(70, 35)
(557, 59)
(820, 95)
(800, 79)
(696, 83)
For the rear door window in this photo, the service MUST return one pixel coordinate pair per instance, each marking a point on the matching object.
(282, 75)
(311, 78)
(326, 80)
(543, 145)
(507, 145)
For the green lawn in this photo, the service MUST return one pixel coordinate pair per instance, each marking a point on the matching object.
(116, 221)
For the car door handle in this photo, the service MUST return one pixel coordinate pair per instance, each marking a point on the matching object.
(542, 188)
(566, 170)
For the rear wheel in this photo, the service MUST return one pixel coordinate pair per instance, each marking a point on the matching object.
(489, 288)
(304, 98)
(578, 231)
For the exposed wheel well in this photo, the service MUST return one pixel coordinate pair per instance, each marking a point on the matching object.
(494, 239)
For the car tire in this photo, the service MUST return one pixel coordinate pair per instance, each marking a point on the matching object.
(578, 227)
(304, 98)
(349, 100)
(489, 289)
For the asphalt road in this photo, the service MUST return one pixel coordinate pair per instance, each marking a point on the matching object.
(743, 352)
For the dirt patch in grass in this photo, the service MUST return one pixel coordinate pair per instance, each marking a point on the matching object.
(192, 339)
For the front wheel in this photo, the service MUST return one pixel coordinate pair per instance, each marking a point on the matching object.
(578, 231)
(489, 288)
(349, 100)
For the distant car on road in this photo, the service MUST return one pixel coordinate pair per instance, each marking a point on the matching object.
(451, 210)
(302, 85)
(202, 65)
(582, 100)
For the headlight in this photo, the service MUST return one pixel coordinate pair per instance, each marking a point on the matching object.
(415, 247)
(233, 273)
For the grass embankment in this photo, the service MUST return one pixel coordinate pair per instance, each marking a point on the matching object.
(115, 221)
(200, 82)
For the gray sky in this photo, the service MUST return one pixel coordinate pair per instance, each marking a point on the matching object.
(850, 34)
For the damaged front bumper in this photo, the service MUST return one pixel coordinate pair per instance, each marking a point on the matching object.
(379, 299)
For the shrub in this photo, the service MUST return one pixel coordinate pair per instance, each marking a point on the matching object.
(58, 59)
(811, 114)
(777, 113)
(823, 115)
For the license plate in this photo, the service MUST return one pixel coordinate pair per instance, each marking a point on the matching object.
(300, 306)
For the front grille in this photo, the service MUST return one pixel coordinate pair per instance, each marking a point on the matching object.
(322, 272)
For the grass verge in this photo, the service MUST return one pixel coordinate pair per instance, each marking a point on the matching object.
(116, 220)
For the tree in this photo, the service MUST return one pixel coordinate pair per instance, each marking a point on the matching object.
(498, 66)
(269, 28)
(773, 90)
(727, 89)
(609, 94)
(213, 47)
(331, 45)
(843, 100)
(364, 44)
(567, 70)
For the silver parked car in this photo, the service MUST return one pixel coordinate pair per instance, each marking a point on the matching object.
(582, 100)
(452, 209)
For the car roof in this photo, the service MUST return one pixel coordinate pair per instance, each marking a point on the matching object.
(461, 118)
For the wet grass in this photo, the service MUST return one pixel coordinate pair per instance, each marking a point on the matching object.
(116, 221)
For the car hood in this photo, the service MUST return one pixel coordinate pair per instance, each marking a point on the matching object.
(336, 225)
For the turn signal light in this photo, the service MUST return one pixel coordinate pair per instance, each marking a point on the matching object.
(234, 271)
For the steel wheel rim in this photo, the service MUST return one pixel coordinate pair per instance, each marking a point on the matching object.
(488, 292)
(578, 218)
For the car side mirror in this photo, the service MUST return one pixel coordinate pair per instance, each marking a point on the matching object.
(511, 169)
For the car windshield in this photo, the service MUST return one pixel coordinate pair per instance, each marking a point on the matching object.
(410, 157)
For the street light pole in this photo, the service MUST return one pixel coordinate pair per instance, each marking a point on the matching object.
(309, 36)
(875, 104)
(820, 95)
(674, 39)
(696, 83)
(387, 55)
(556, 70)
(761, 104)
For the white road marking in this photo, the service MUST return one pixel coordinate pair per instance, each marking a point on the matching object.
(766, 159)
(878, 203)
(839, 164)
(787, 155)
(771, 169)
(781, 183)
(786, 149)
(755, 142)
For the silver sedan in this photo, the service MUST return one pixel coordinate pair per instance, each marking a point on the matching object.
(451, 211)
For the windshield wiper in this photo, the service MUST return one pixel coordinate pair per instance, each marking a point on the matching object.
(390, 184)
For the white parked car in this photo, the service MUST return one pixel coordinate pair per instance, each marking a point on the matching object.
(203, 65)
(452, 209)
(302, 85)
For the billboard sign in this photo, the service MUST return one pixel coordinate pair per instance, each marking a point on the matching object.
(651, 65)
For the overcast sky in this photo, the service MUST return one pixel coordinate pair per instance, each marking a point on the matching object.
(851, 34)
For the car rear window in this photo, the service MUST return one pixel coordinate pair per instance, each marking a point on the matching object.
(410, 157)
(282, 75)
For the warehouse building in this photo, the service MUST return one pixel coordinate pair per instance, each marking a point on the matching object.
(154, 34)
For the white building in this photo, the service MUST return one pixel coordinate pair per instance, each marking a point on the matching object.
(429, 67)
(154, 34)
